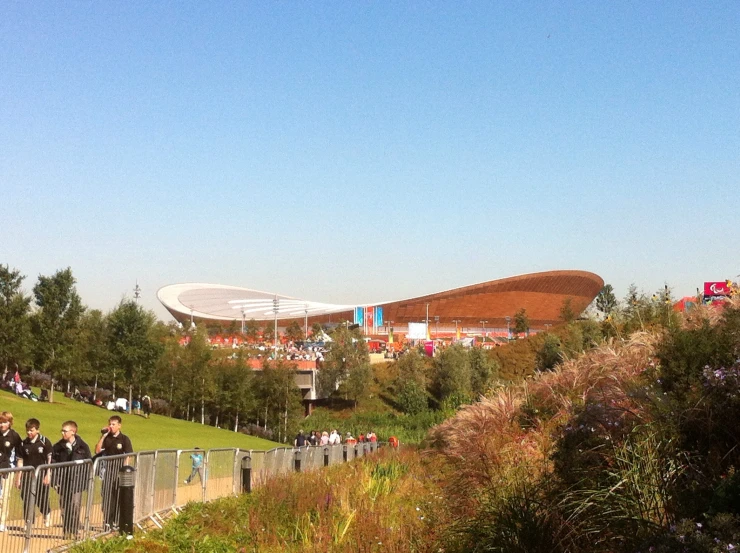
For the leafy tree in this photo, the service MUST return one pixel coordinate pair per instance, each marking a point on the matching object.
(484, 370)
(550, 354)
(357, 384)
(252, 330)
(279, 402)
(412, 397)
(235, 391)
(268, 332)
(452, 374)
(93, 345)
(347, 351)
(56, 324)
(131, 343)
(15, 328)
(606, 301)
(316, 331)
(521, 322)
(566, 311)
(194, 383)
(294, 332)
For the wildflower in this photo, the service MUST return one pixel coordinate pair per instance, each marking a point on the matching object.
(699, 525)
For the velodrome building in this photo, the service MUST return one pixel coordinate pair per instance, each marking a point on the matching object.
(487, 306)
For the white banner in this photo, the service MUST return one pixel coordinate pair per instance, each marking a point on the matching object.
(417, 331)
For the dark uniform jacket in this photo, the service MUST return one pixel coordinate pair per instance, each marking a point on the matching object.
(63, 452)
(35, 453)
(9, 443)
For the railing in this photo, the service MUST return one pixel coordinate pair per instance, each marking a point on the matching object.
(53, 506)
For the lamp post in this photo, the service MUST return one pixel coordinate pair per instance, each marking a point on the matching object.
(508, 333)
(275, 309)
(484, 329)
(305, 332)
(390, 327)
(243, 318)
(427, 320)
(456, 321)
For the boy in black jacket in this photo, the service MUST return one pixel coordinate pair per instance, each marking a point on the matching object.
(71, 480)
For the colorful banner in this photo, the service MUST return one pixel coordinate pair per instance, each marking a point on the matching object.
(717, 289)
(429, 348)
(359, 316)
(369, 312)
(378, 316)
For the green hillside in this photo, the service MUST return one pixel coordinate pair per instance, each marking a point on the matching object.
(157, 432)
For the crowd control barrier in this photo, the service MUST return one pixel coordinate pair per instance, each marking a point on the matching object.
(53, 506)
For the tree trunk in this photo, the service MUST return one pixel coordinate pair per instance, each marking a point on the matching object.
(130, 396)
(95, 388)
(236, 421)
(51, 392)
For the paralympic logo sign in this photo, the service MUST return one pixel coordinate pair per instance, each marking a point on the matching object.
(717, 289)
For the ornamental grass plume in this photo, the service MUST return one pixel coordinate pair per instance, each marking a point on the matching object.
(517, 425)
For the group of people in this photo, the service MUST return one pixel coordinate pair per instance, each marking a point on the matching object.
(331, 438)
(69, 481)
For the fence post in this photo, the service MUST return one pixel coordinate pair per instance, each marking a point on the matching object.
(26, 516)
(177, 475)
(344, 453)
(247, 474)
(297, 460)
(126, 483)
(326, 456)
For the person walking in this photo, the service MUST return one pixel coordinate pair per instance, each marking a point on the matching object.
(146, 405)
(70, 481)
(112, 443)
(35, 451)
(197, 466)
(10, 444)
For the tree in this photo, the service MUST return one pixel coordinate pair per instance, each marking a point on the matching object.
(606, 301)
(411, 384)
(279, 402)
(56, 324)
(566, 311)
(194, 382)
(483, 371)
(347, 351)
(550, 354)
(294, 332)
(15, 328)
(316, 331)
(252, 330)
(521, 322)
(452, 376)
(131, 343)
(235, 391)
(268, 332)
(93, 346)
(358, 382)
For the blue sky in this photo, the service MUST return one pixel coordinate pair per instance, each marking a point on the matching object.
(366, 151)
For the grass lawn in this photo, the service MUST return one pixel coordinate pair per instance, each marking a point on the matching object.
(157, 432)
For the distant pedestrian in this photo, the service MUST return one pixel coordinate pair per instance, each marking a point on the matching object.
(146, 405)
(71, 481)
(35, 451)
(300, 440)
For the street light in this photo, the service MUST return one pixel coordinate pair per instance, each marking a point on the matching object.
(275, 309)
(508, 332)
(484, 329)
(243, 318)
(305, 311)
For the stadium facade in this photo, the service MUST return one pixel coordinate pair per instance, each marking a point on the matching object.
(489, 303)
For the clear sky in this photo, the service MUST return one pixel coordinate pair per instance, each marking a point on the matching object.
(367, 151)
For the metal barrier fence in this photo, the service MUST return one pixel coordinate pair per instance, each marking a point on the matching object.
(52, 506)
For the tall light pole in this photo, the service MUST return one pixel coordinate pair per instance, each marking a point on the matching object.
(427, 320)
(484, 329)
(275, 309)
(456, 321)
(305, 311)
(243, 317)
(508, 333)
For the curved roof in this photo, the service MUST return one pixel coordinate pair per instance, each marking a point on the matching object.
(541, 294)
